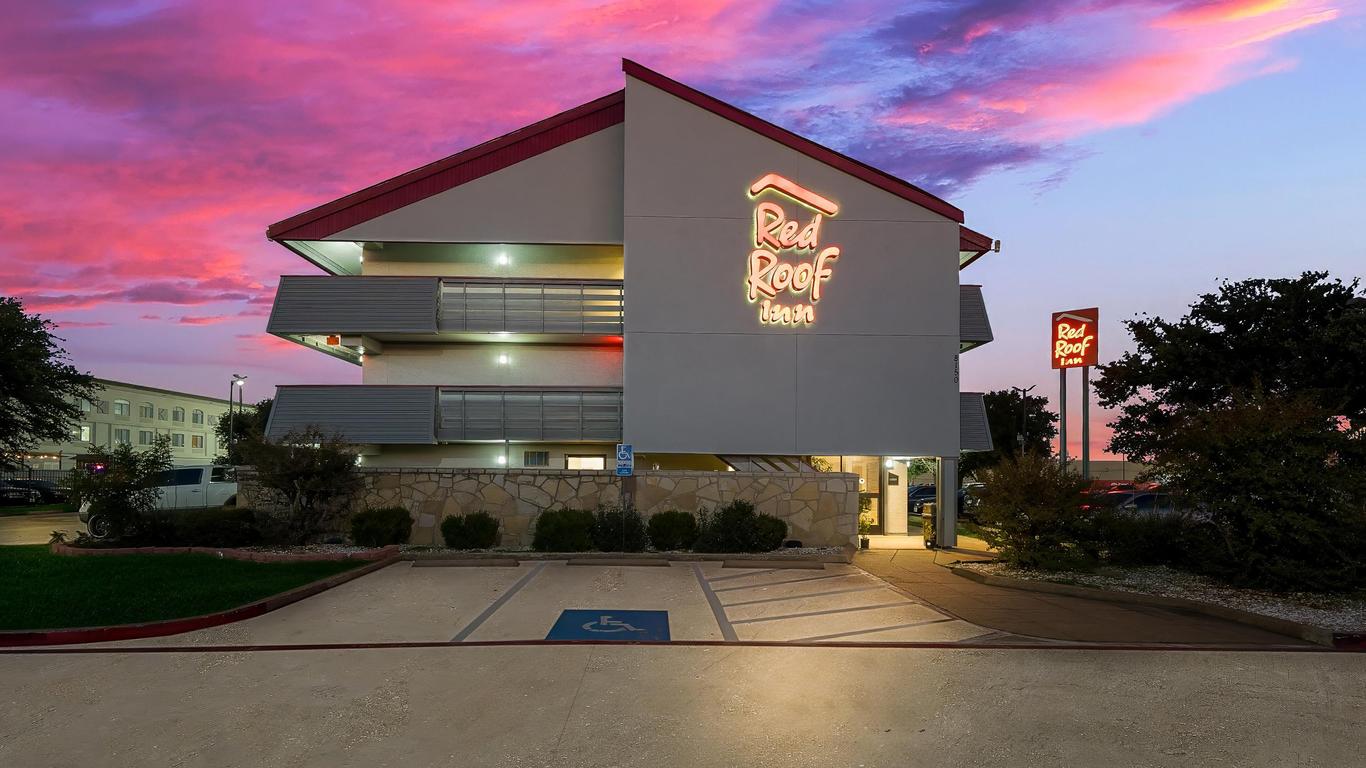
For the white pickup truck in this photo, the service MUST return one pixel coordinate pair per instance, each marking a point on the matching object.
(182, 488)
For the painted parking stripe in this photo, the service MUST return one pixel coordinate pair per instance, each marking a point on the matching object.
(809, 614)
(871, 630)
(496, 604)
(717, 610)
(762, 584)
(805, 595)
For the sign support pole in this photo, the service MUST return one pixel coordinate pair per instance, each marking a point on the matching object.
(1086, 422)
(1062, 418)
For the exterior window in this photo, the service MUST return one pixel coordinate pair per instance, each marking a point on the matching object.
(197, 416)
(197, 441)
(122, 408)
(144, 437)
(222, 475)
(146, 411)
(178, 414)
(536, 459)
(178, 440)
(85, 406)
(102, 406)
(123, 437)
(81, 433)
(161, 414)
(585, 462)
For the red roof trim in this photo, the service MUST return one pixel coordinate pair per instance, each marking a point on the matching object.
(447, 173)
(969, 241)
(862, 171)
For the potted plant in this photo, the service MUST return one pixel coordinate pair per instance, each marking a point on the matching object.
(865, 521)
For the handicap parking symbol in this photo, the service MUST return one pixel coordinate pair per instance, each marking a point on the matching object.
(610, 625)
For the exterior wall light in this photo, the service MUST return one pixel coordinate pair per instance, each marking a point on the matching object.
(502, 459)
(503, 360)
(502, 259)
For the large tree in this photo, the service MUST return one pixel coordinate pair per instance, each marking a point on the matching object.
(1302, 337)
(1253, 407)
(1008, 418)
(40, 392)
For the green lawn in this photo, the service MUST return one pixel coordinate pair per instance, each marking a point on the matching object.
(24, 509)
(39, 590)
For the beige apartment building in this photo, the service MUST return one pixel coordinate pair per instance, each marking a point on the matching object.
(134, 414)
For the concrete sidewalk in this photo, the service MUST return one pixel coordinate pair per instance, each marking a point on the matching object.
(1059, 617)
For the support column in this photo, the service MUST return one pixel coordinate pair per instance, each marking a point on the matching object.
(946, 502)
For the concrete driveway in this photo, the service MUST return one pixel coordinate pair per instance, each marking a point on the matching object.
(682, 705)
(364, 693)
(37, 527)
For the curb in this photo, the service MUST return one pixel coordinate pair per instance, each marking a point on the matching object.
(606, 558)
(385, 553)
(177, 626)
(1296, 629)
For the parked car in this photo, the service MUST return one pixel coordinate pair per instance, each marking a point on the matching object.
(14, 494)
(182, 489)
(47, 490)
(920, 495)
(1159, 504)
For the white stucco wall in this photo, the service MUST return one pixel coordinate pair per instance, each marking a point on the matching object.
(875, 373)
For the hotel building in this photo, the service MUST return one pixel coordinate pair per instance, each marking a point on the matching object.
(654, 267)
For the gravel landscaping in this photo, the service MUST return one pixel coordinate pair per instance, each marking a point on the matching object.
(1340, 613)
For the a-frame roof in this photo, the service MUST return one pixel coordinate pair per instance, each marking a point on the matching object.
(491, 156)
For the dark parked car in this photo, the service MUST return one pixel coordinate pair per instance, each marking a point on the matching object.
(48, 490)
(919, 495)
(13, 494)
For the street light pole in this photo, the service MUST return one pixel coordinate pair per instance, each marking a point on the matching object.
(1023, 392)
(239, 382)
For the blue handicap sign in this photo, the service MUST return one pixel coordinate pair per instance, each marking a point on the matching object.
(626, 459)
(607, 624)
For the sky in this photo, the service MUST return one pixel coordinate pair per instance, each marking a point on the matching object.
(1127, 153)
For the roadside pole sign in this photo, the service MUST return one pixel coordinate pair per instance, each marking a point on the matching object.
(626, 460)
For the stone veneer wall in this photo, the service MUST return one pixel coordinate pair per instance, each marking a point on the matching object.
(821, 509)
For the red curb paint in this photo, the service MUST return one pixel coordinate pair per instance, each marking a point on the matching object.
(1130, 647)
(10, 640)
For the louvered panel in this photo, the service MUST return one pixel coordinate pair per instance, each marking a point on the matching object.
(361, 414)
(546, 415)
(306, 304)
(520, 306)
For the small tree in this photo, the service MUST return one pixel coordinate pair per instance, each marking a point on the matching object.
(314, 472)
(241, 426)
(1030, 510)
(39, 391)
(1005, 420)
(122, 484)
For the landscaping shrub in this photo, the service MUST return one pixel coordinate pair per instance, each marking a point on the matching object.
(122, 484)
(564, 530)
(672, 530)
(381, 527)
(477, 530)
(769, 532)
(217, 528)
(1031, 513)
(1143, 539)
(737, 528)
(619, 529)
(313, 472)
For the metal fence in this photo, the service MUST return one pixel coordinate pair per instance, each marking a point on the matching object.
(58, 476)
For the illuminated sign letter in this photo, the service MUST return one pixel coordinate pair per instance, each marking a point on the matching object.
(775, 232)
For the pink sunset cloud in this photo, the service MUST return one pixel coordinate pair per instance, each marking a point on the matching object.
(148, 144)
